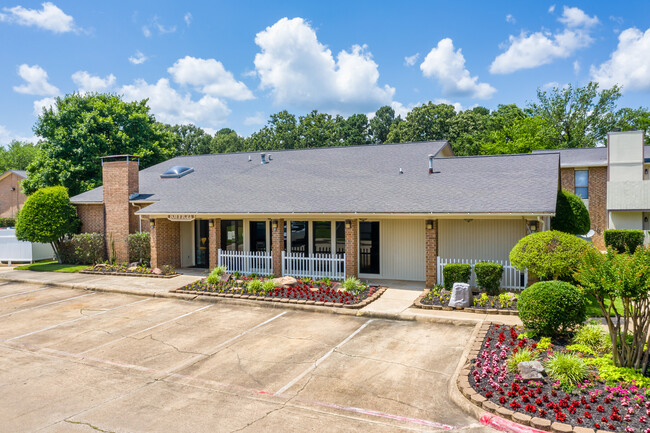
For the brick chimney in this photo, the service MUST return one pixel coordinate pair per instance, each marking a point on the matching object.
(120, 175)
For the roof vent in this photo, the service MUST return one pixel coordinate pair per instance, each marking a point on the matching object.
(264, 161)
(176, 171)
(430, 164)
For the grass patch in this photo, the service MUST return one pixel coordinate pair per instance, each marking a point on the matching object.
(51, 266)
(593, 310)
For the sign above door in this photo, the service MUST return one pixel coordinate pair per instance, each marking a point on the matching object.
(181, 218)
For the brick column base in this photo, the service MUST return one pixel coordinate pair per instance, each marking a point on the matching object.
(277, 245)
(431, 245)
(165, 243)
(352, 248)
(214, 240)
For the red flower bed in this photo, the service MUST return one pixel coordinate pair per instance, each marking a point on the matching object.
(592, 405)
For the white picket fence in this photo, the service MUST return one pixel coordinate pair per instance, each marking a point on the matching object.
(246, 262)
(513, 279)
(13, 250)
(315, 266)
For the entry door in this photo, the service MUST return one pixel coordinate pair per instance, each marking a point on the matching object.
(369, 247)
(201, 243)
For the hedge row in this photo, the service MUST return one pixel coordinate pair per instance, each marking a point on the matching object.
(90, 248)
(623, 240)
(488, 275)
(7, 222)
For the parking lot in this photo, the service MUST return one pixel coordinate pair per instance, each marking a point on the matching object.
(81, 361)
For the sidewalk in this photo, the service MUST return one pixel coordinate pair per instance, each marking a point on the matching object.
(395, 304)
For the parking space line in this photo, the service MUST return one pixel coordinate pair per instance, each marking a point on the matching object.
(145, 330)
(49, 303)
(321, 359)
(215, 349)
(24, 293)
(78, 318)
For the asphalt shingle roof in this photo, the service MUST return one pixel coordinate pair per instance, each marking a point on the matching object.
(362, 179)
(585, 157)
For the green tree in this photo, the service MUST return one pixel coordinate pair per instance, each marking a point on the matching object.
(81, 129)
(189, 139)
(581, 116)
(227, 140)
(352, 131)
(317, 130)
(47, 217)
(468, 131)
(521, 135)
(630, 119)
(571, 214)
(423, 123)
(281, 132)
(17, 156)
(379, 126)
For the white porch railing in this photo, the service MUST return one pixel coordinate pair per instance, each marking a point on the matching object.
(315, 266)
(246, 262)
(512, 279)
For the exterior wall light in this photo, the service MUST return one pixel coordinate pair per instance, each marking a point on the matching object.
(348, 224)
(152, 223)
(274, 224)
(429, 224)
(533, 226)
(211, 223)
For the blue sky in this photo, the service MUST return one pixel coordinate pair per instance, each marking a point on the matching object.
(232, 64)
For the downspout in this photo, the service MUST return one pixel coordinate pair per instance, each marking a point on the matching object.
(543, 223)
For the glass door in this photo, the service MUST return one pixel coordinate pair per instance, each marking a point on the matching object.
(369, 247)
(201, 243)
(257, 235)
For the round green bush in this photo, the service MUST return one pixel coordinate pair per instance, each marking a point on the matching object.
(571, 214)
(456, 273)
(549, 255)
(552, 307)
(488, 276)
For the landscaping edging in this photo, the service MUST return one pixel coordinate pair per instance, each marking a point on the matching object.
(418, 304)
(128, 274)
(265, 299)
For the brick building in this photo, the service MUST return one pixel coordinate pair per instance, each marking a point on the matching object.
(393, 211)
(11, 195)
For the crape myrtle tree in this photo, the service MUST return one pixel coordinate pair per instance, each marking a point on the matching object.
(47, 217)
(80, 129)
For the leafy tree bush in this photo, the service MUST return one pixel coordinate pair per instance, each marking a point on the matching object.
(552, 307)
(625, 277)
(7, 222)
(549, 255)
(488, 276)
(47, 217)
(456, 273)
(140, 247)
(83, 249)
(571, 214)
(622, 240)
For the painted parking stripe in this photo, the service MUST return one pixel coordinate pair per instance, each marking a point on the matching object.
(24, 293)
(49, 303)
(77, 319)
(147, 329)
(321, 359)
(221, 345)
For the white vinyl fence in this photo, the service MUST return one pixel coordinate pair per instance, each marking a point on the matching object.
(246, 262)
(513, 279)
(315, 266)
(13, 250)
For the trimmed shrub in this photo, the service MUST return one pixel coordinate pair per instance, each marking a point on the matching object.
(7, 222)
(552, 307)
(571, 214)
(549, 255)
(83, 249)
(456, 273)
(488, 276)
(622, 240)
(140, 247)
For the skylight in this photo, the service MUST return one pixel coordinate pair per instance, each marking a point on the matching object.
(177, 171)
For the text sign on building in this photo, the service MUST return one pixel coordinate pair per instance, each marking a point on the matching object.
(180, 218)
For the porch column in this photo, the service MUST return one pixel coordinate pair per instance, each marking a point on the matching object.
(277, 245)
(352, 248)
(165, 243)
(431, 245)
(214, 239)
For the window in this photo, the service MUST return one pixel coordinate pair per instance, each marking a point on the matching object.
(340, 237)
(582, 183)
(232, 235)
(257, 235)
(177, 171)
(299, 236)
(322, 237)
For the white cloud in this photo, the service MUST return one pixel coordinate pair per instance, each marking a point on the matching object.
(551, 9)
(36, 81)
(576, 67)
(92, 83)
(188, 19)
(146, 32)
(448, 67)
(138, 58)
(43, 103)
(209, 77)
(299, 70)
(540, 48)
(169, 106)
(7, 136)
(629, 64)
(457, 105)
(154, 24)
(510, 19)
(257, 119)
(49, 18)
(410, 60)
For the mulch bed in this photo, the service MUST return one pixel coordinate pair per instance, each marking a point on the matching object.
(124, 270)
(433, 300)
(593, 405)
(305, 292)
